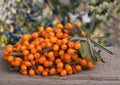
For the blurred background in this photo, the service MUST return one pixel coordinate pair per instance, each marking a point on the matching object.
(18, 17)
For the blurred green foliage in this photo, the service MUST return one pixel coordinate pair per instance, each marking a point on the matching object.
(19, 17)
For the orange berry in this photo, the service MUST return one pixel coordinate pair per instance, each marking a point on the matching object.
(38, 48)
(70, 72)
(78, 24)
(58, 60)
(31, 46)
(59, 34)
(41, 40)
(59, 42)
(63, 72)
(26, 43)
(33, 62)
(83, 62)
(37, 55)
(83, 33)
(15, 63)
(65, 35)
(61, 52)
(36, 42)
(69, 25)
(41, 29)
(52, 71)
(87, 58)
(47, 63)
(30, 57)
(53, 39)
(48, 44)
(23, 47)
(26, 37)
(51, 58)
(31, 72)
(71, 44)
(24, 72)
(44, 73)
(75, 57)
(42, 60)
(59, 69)
(35, 35)
(40, 68)
(55, 47)
(68, 67)
(60, 64)
(70, 51)
(10, 58)
(51, 53)
(25, 52)
(77, 45)
(33, 51)
(59, 26)
(49, 29)
(27, 63)
(90, 65)
(64, 40)
(43, 45)
(64, 47)
(18, 59)
(9, 48)
(23, 67)
(78, 68)
(6, 52)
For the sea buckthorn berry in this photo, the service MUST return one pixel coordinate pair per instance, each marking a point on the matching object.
(51, 53)
(77, 45)
(90, 65)
(64, 47)
(23, 67)
(56, 47)
(30, 57)
(35, 35)
(42, 60)
(44, 73)
(10, 58)
(63, 73)
(78, 68)
(83, 62)
(53, 39)
(78, 24)
(61, 52)
(49, 29)
(41, 29)
(31, 46)
(95, 62)
(40, 68)
(59, 26)
(69, 25)
(83, 33)
(71, 51)
(68, 67)
(60, 64)
(31, 72)
(52, 71)
(24, 72)
(33, 51)
(59, 34)
(71, 44)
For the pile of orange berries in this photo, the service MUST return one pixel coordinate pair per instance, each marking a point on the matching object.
(48, 52)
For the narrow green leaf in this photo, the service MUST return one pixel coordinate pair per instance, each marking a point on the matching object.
(83, 50)
(78, 38)
(98, 56)
(88, 52)
(91, 50)
(93, 24)
(101, 47)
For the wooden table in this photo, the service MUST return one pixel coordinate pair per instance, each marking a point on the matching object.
(101, 74)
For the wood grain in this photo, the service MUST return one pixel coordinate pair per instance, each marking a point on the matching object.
(101, 74)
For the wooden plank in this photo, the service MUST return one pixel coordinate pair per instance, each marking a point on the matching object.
(101, 74)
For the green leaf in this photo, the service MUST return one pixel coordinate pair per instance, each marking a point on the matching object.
(89, 52)
(93, 24)
(98, 56)
(72, 31)
(83, 50)
(78, 38)
(101, 47)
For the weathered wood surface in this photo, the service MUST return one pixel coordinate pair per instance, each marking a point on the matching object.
(101, 74)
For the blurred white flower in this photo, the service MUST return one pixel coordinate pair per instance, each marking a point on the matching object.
(73, 18)
(85, 18)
